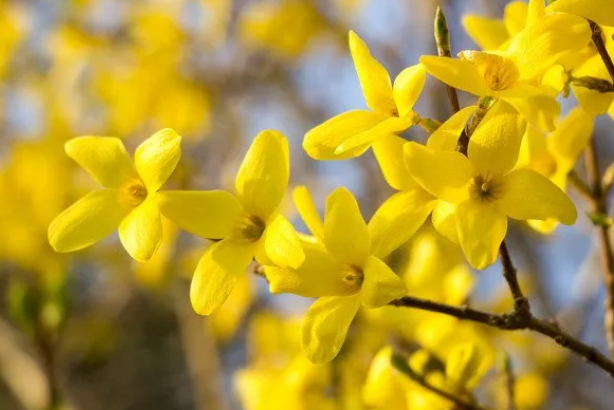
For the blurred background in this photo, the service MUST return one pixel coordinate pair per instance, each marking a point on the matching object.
(96, 330)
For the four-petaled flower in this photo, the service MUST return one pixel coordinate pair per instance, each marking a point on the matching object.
(129, 200)
(246, 225)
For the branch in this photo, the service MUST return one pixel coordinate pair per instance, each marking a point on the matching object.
(521, 303)
(514, 321)
(442, 39)
(597, 37)
(607, 259)
(484, 105)
(510, 382)
(400, 363)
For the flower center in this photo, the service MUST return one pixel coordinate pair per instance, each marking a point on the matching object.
(500, 73)
(251, 228)
(134, 193)
(352, 279)
(485, 188)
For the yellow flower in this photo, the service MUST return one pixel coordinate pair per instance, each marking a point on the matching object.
(360, 278)
(556, 155)
(483, 189)
(514, 75)
(248, 224)
(493, 34)
(600, 11)
(350, 134)
(129, 198)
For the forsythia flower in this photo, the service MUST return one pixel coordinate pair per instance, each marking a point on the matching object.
(493, 34)
(248, 224)
(514, 75)
(556, 155)
(129, 200)
(356, 275)
(350, 134)
(600, 11)
(483, 189)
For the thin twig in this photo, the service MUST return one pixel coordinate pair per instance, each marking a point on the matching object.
(400, 363)
(521, 303)
(597, 37)
(607, 259)
(574, 180)
(514, 321)
(484, 105)
(442, 39)
(510, 382)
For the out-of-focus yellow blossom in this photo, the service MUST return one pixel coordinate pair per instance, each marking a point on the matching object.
(600, 11)
(514, 75)
(351, 273)
(217, 15)
(248, 224)
(493, 34)
(12, 31)
(483, 188)
(350, 134)
(531, 391)
(387, 388)
(300, 22)
(129, 198)
(33, 191)
(230, 315)
(278, 377)
(556, 155)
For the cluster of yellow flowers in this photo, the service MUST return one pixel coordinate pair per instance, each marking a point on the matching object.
(514, 164)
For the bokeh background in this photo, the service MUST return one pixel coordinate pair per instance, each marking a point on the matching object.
(96, 330)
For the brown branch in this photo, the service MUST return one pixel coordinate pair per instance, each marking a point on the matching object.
(597, 37)
(607, 259)
(513, 322)
(521, 303)
(442, 39)
(400, 363)
(484, 105)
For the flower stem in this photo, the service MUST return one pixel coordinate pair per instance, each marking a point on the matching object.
(607, 258)
(597, 37)
(521, 303)
(514, 321)
(484, 104)
(442, 39)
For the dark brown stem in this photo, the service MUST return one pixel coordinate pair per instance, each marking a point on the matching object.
(521, 303)
(607, 259)
(484, 105)
(514, 321)
(444, 49)
(400, 363)
(597, 36)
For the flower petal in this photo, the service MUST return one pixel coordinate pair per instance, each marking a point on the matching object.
(90, 219)
(481, 229)
(530, 195)
(141, 230)
(495, 144)
(541, 111)
(308, 211)
(322, 141)
(389, 155)
(571, 137)
(262, 180)
(325, 326)
(489, 34)
(541, 45)
(282, 244)
(446, 136)
(319, 275)
(407, 88)
(346, 235)
(380, 285)
(374, 79)
(600, 11)
(217, 273)
(157, 157)
(209, 214)
(104, 158)
(392, 125)
(444, 220)
(397, 219)
(515, 16)
(444, 174)
(460, 74)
